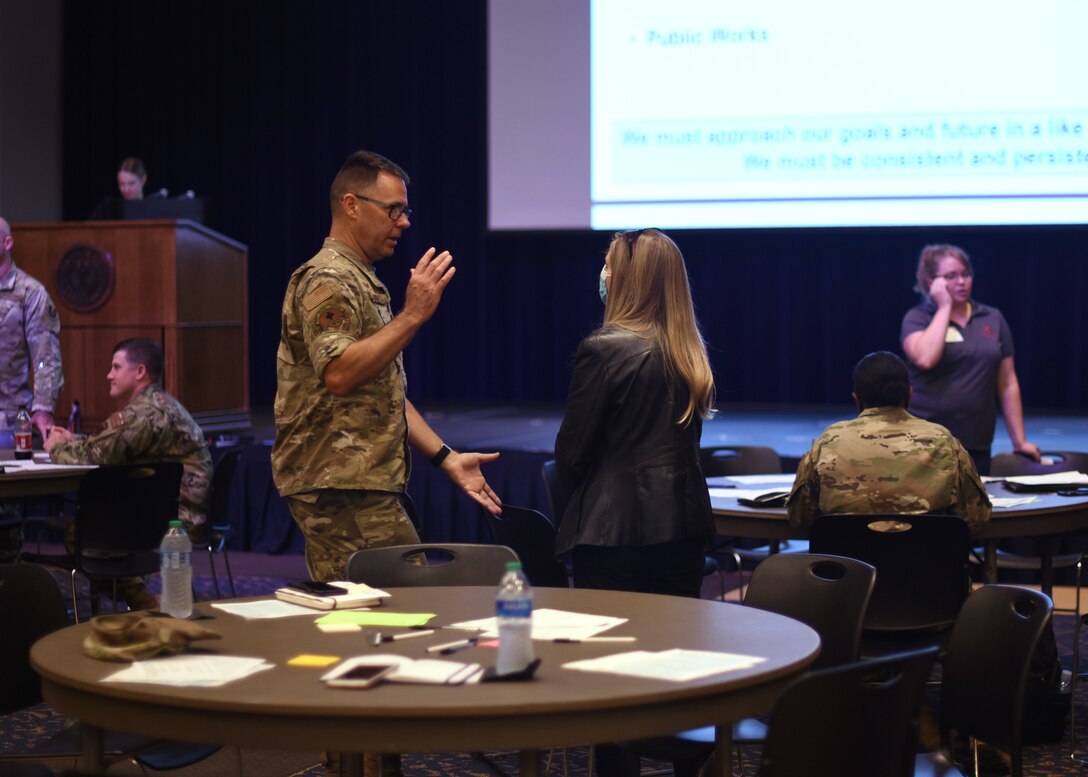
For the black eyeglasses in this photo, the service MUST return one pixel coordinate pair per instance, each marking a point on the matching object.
(394, 209)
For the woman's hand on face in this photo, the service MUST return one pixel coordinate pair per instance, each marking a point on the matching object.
(938, 290)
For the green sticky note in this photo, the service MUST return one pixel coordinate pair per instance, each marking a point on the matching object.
(405, 620)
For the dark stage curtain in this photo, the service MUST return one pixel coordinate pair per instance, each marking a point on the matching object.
(256, 105)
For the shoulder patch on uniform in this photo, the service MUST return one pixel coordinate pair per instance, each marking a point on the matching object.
(331, 317)
(316, 297)
(116, 420)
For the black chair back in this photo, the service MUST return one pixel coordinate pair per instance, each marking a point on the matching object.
(829, 593)
(1008, 464)
(219, 492)
(424, 565)
(857, 720)
(724, 460)
(557, 497)
(920, 560)
(986, 665)
(31, 606)
(127, 507)
(531, 535)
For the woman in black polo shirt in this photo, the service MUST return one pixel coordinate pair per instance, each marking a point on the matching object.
(960, 354)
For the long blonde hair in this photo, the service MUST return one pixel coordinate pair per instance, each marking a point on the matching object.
(649, 295)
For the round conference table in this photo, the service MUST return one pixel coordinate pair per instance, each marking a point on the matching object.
(1049, 515)
(289, 707)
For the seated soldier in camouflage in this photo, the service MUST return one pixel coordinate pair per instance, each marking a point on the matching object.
(886, 460)
(151, 426)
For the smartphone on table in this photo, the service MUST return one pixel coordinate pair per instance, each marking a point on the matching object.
(351, 674)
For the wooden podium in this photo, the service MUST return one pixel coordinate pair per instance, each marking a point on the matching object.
(172, 281)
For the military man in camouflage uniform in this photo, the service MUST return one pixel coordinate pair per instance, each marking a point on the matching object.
(343, 422)
(151, 426)
(886, 460)
(29, 335)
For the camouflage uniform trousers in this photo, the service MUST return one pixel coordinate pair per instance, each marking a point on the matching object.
(336, 523)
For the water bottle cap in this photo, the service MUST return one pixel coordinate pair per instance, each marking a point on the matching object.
(175, 524)
(513, 565)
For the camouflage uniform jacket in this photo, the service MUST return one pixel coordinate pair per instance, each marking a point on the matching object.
(354, 442)
(152, 427)
(29, 334)
(887, 461)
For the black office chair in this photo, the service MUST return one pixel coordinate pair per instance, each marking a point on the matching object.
(557, 497)
(829, 593)
(857, 720)
(531, 535)
(121, 516)
(219, 515)
(726, 460)
(922, 580)
(31, 606)
(985, 671)
(427, 564)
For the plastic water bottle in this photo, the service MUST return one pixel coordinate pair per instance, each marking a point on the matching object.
(176, 553)
(23, 432)
(75, 425)
(514, 608)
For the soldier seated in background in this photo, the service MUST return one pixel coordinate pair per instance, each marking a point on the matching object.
(150, 426)
(886, 460)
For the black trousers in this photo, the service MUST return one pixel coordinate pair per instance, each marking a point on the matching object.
(673, 568)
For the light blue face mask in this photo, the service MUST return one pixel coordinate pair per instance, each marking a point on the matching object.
(603, 288)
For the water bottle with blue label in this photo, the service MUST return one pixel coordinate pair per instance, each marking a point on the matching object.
(514, 608)
(176, 554)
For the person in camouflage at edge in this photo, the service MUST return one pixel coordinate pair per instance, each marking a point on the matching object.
(886, 460)
(343, 422)
(29, 335)
(151, 426)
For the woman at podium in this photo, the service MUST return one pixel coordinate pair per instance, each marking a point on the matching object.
(131, 178)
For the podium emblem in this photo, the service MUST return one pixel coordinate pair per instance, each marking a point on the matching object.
(85, 278)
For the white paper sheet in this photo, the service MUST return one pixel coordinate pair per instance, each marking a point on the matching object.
(745, 493)
(189, 670)
(30, 465)
(1012, 501)
(1071, 476)
(763, 480)
(264, 608)
(550, 624)
(675, 665)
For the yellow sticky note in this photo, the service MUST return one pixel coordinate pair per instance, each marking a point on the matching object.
(405, 620)
(307, 659)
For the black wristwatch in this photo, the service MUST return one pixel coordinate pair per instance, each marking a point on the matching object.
(438, 458)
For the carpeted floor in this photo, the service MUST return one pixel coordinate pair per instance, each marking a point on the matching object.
(255, 576)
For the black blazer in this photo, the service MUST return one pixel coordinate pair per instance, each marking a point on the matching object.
(632, 473)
